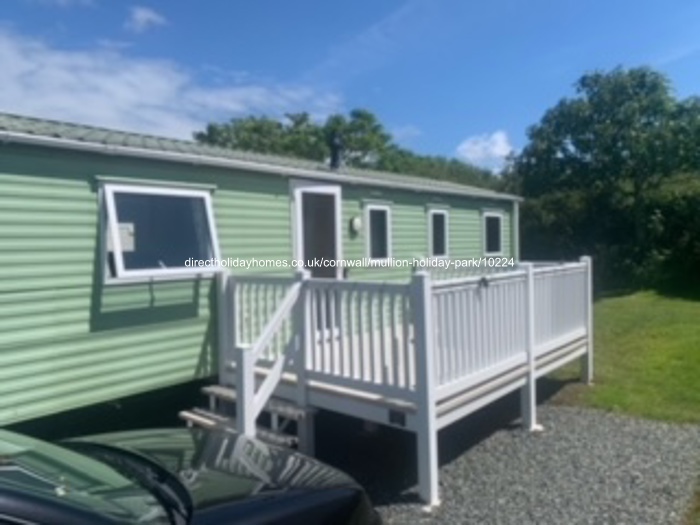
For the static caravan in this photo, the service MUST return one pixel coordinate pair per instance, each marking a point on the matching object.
(130, 263)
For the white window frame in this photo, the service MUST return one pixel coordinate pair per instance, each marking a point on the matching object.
(389, 238)
(431, 246)
(485, 216)
(110, 230)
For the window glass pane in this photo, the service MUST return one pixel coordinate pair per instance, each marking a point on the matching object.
(379, 234)
(439, 234)
(493, 234)
(166, 230)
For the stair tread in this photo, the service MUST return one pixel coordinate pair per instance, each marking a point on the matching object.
(274, 406)
(207, 419)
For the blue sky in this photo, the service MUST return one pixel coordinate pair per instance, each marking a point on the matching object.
(450, 77)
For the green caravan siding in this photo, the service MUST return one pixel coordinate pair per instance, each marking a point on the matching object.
(466, 226)
(66, 341)
(253, 217)
(408, 233)
(409, 226)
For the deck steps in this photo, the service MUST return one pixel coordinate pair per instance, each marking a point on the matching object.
(274, 406)
(206, 419)
(284, 424)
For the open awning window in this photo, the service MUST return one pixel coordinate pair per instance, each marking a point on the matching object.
(155, 232)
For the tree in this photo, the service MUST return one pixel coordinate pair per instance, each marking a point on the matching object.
(260, 134)
(363, 137)
(400, 160)
(621, 134)
(365, 144)
(303, 138)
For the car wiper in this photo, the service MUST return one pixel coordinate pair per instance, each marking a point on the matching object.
(166, 496)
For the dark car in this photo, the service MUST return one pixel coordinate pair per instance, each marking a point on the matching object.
(171, 477)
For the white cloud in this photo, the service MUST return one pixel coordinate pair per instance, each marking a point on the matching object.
(486, 151)
(106, 87)
(114, 45)
(143, 18)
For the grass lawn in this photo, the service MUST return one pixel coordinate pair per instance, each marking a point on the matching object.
(647, 358)
(647, 362)
(693, 517)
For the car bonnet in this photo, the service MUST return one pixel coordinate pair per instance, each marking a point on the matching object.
(219, 464)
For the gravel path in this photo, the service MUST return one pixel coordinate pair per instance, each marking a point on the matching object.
(587, 467)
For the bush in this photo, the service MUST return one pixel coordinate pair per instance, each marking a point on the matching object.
(567, 224)
(675, 209)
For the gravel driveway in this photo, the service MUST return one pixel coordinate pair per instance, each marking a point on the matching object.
(587, 467)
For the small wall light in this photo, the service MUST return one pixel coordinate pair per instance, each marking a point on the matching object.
(355, 225)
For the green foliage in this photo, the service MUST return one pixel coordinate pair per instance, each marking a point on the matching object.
(366, 144)
(674, 210)
(601, 163)
(624, 128)
(399, 160)
(363, 137)
(299, 136)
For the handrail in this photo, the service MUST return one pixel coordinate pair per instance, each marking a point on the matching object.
(476, 279)
(262, 278)
(520, 271)
(251, 403)
(565, 267)
(267, 387)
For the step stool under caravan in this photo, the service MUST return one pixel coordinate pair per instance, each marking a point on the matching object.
(417, 356)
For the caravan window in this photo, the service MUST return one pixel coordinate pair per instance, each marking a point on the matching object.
(438, 233)
(379, 231)
(493, 234)
(158, 232)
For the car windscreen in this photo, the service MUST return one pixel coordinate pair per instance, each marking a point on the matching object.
(60, 475)
(218, 465)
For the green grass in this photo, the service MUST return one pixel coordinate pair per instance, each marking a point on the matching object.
(693, 516)
(647, 358)
(647, 362)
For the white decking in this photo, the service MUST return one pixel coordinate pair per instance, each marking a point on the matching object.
(418, 355)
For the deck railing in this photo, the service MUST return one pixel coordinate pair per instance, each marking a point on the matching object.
(278, 339)
(465, 269)
(482, 323)
(560, 303)
(256, 298)
(361, 336)
(453, 342)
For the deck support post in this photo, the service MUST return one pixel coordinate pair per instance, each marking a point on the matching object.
(528, 393)
(306, 430)
(426, 401)
(226, 321)
(587, 358)
(305, 427)
(245, 387)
